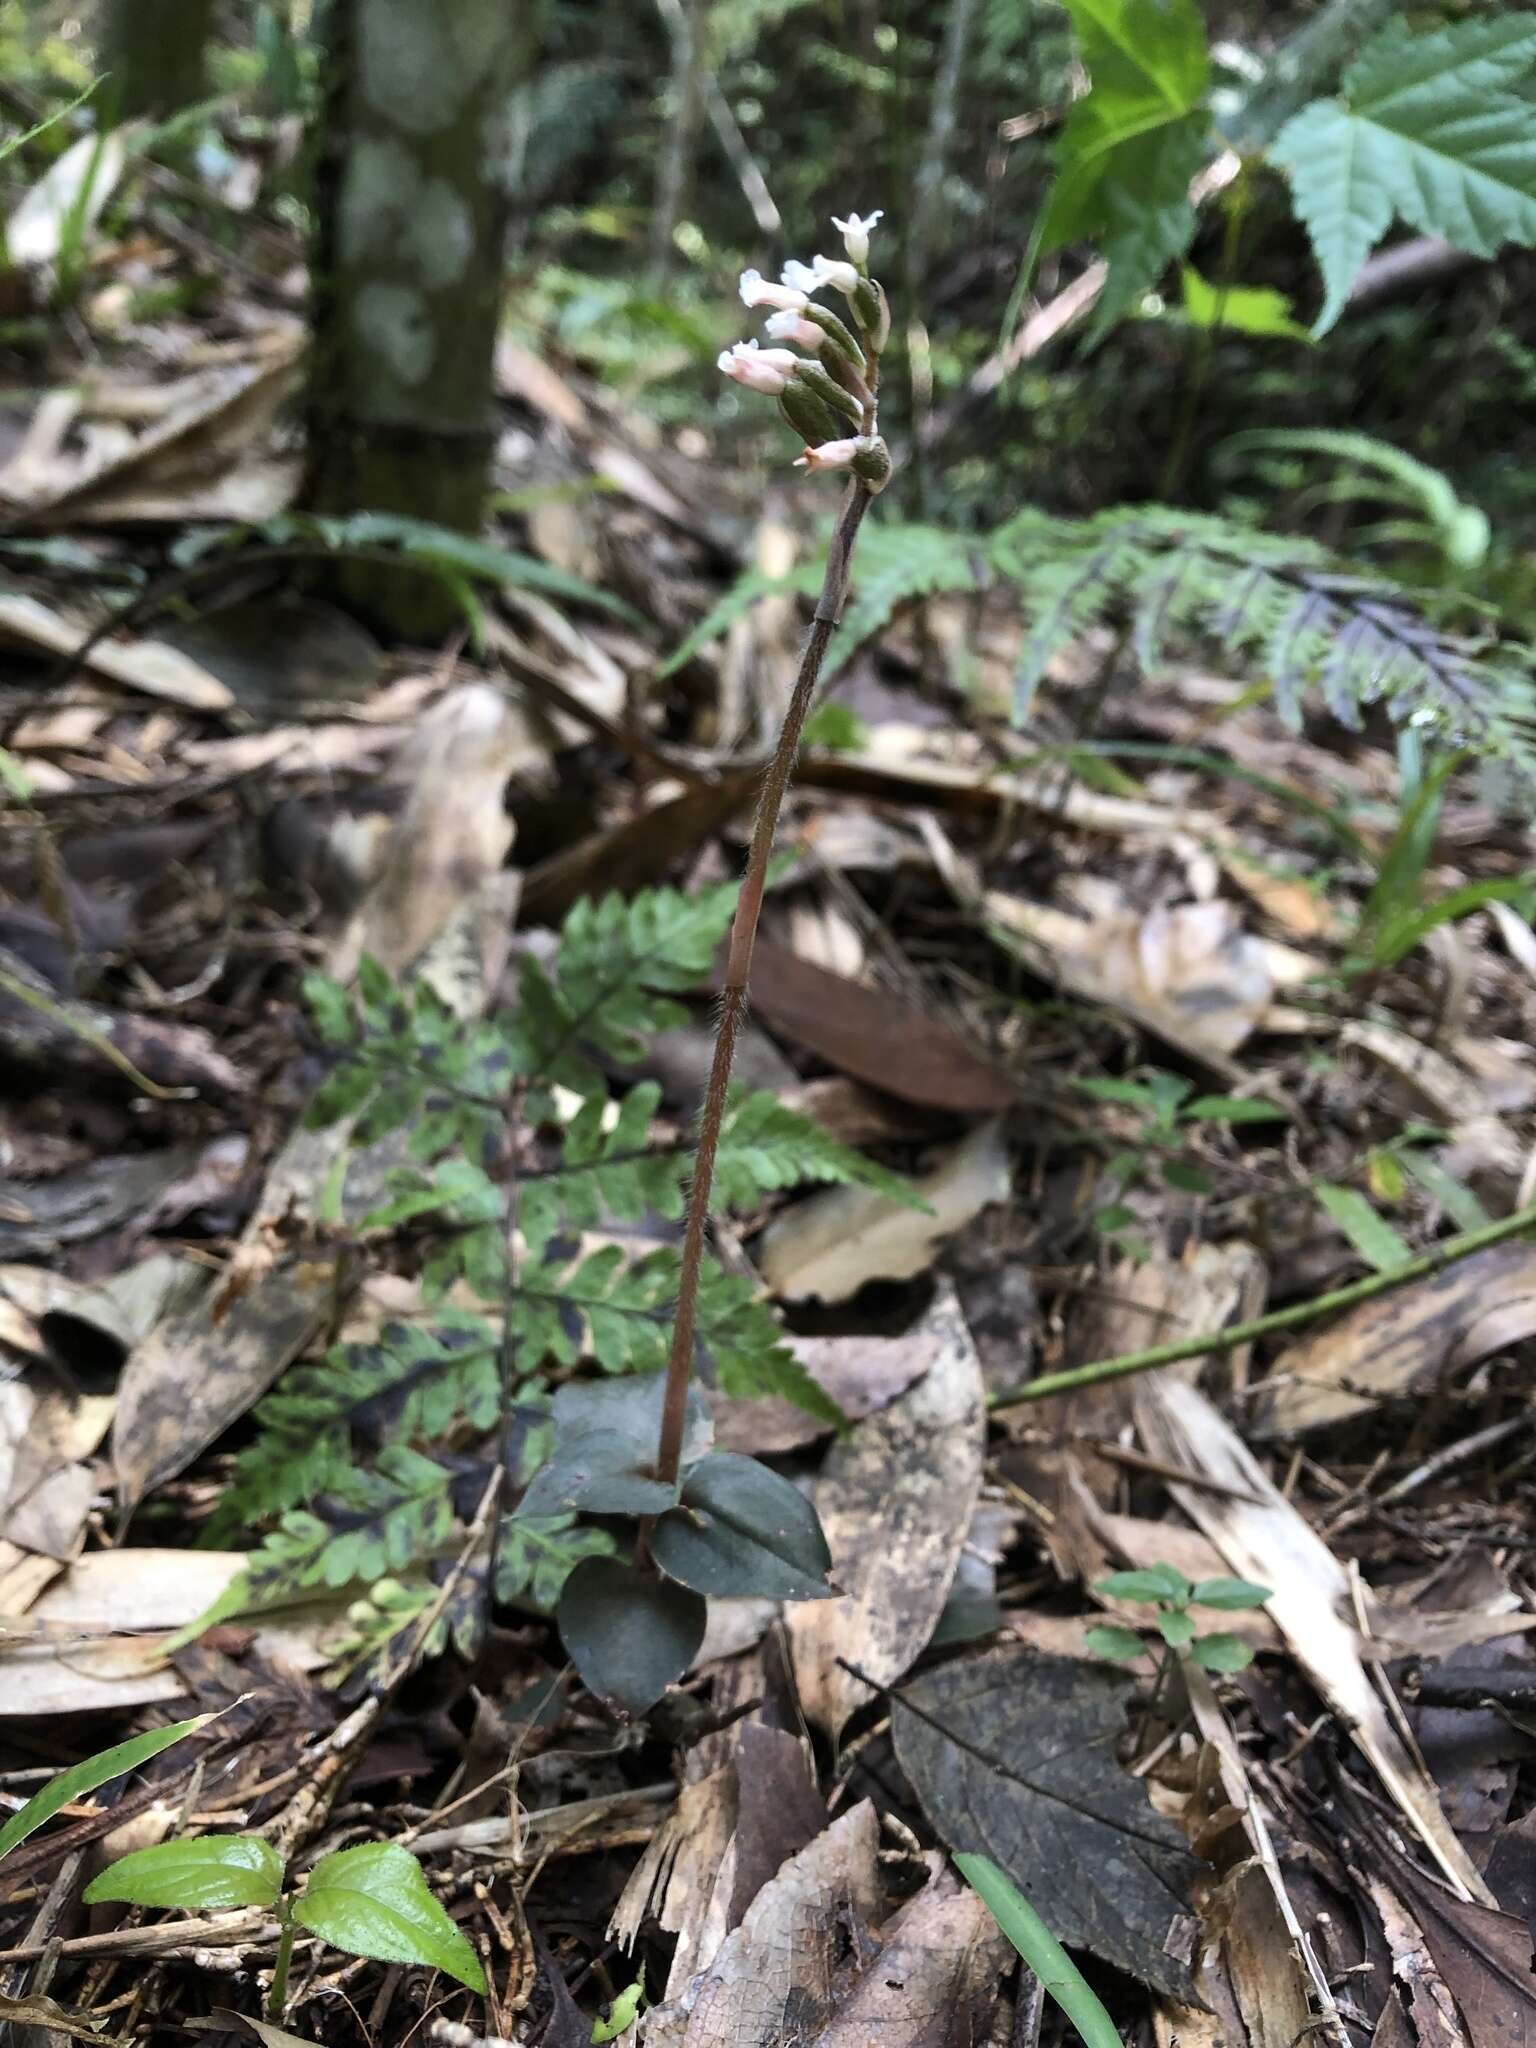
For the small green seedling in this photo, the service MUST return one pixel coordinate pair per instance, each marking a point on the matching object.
(1166, 1589)
(373, 1900)
(1166, 1115)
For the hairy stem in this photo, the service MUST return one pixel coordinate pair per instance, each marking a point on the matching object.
(738, 972)
(1435, 1260)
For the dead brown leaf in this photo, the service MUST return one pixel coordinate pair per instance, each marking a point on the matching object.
(934, 1982)
(1402, 1342)
(874, 1035)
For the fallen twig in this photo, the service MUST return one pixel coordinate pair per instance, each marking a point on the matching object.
(1435, 1260)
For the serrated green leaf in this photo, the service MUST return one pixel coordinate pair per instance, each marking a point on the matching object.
(1228, 1594)
(766, 1145)
(91, 1772)
(1221, 1653)
(374, 1900)
(1425, 132)
(629, 1636)
(535, 1558)
(1372, 1236)
(208, 1875)
(742, 1529)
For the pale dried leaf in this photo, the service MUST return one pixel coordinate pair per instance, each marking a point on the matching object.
(934, 1982)
(1403, 1342)
(896, 1498)
(146, 666)
(68, 197)
(831, 1244)
(1271, 1545)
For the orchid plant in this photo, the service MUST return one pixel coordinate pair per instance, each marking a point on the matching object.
(827, 395)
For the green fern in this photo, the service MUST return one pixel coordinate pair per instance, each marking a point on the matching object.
(362, 1463)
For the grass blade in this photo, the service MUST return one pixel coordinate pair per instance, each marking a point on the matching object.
(1061, 1977)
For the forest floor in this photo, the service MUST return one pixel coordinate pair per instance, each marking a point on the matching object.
(1124, 999)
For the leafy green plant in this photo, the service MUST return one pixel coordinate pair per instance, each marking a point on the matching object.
(365, 1461)
(372, 1900)
(1275, 605)
(1166, 1590)
(1429, 127)
(1167, 1109)
(1398, 914)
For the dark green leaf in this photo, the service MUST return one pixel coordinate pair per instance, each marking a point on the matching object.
(629, 1636)
(92, 1771)
(374, 1901)
(203, 1876)
(1190, 1180)
(742, 1529)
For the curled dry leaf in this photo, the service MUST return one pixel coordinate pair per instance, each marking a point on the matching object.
(831, 1244)
(895, 1499)
(1187, 972)
(1403, 1342)
(775, 1977)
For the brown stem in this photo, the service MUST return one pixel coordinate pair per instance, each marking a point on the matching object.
(738, 971)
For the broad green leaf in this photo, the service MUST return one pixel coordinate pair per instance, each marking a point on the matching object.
(1425, 131)
(1176, 1629)
(1221, 1653)
(375, 1901)
(1372, 1236)
(1145, 218)
(1228, 1594)
(629, 1636)
(742, 1529)
(1059, 1975)
(208, 1875)
(1190, 1180)
(1150, 1582)
(1134, 1094)
(91, 1772)
(1108, 1639)
(1240, 308)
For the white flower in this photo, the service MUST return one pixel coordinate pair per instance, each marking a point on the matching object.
(760, 369)
(855, 232)
(792, 327)
(843, 276)
(800, 277)
(756, 290)
(832, 454)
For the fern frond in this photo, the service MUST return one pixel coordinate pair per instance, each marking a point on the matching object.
(766, 1145)
(895, 564)
(620, 966)
(380, 1520)
(1282, 604)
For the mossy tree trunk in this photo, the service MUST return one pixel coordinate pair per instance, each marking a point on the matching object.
(154, 53)
(411, 220)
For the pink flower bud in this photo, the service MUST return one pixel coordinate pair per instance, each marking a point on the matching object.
(761, 369)
(803, 333)
(756, 290)
(831, 455)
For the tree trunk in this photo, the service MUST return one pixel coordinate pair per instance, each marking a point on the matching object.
(152, 52)
(411, 220)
